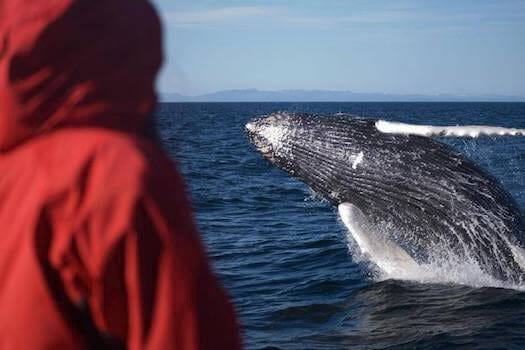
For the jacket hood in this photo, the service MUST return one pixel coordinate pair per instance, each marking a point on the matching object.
(76, 63)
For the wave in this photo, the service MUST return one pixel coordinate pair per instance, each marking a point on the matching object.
(448, 131)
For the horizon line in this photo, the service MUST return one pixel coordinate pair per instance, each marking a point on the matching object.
(160, 100)
(280, 96)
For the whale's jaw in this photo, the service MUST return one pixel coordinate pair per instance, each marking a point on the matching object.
(434, 204)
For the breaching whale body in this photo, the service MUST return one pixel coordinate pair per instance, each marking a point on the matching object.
(408, 200)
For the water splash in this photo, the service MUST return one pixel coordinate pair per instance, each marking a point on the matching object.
(386, 260)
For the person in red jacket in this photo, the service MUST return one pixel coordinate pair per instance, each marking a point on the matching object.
(98, 245)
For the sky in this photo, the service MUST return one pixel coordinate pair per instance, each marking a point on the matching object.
(463, 47)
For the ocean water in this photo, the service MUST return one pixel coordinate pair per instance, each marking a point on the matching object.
(283, 255)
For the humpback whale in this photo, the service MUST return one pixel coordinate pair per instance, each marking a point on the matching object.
(406, 198)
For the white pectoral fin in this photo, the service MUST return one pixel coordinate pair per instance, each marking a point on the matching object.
(390, 127)
(357, 224)
(383, 252)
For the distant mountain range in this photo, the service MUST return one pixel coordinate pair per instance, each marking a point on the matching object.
(254, 95)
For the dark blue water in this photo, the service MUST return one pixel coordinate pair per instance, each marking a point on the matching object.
(283, 255)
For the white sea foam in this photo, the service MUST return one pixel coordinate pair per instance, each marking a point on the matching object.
(466, 273)
(454, 131)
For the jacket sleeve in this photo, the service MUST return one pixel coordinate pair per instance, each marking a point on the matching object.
(151, 284)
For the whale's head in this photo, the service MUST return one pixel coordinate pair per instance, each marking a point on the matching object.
(315, 148)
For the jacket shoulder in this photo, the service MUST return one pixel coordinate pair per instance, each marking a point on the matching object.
(103, 165)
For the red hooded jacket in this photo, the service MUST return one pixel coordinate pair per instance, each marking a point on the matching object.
(98, 244)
